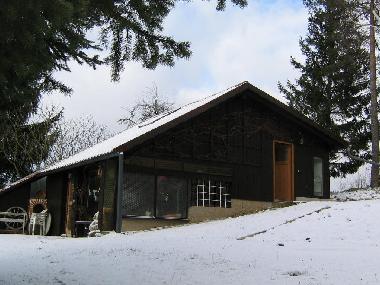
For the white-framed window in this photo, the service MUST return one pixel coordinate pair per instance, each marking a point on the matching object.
(318, 176)
(210, 193)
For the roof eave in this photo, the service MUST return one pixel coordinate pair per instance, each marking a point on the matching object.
(39, 174)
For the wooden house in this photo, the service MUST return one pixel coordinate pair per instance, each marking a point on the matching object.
(224, 155)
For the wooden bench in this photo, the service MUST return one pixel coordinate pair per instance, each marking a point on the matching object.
(14, 220)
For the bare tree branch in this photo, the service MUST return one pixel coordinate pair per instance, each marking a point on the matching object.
(152, 104)
(75, 136)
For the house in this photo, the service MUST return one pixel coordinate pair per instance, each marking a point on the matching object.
(223, 155)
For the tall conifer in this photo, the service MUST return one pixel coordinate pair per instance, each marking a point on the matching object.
(333, 87)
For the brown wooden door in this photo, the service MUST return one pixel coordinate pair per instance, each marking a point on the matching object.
(283, 172)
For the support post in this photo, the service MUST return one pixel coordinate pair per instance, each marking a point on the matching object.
(120, 177)
(374, 104)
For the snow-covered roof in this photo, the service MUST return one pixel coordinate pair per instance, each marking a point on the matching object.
(111, 145)
(108, 146)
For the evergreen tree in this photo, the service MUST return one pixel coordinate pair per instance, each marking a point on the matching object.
(40, 37)
(333, 87)
(25, 146)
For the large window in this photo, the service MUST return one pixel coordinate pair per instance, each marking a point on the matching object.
(171, 197)
(147, 195)
(166, 196)
(210, 193)
(138, 195)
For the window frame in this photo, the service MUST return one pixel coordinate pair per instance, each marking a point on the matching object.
(225, 199)
(320, 162)
(155, 175)
(185, 198)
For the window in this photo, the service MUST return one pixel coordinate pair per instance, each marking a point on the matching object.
(210, 193)
(94, 185)
(141, 200)
(281, 152)
(166, 197)
(171, 197)
(94, 182)
(318, 176)
(138, 195)
(38, 189)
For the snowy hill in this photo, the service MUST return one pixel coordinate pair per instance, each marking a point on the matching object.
(310, 243)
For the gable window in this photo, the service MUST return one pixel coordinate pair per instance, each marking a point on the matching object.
(318, 176)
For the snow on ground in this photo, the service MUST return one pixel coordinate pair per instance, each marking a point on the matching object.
(357, 194)
(322, 242)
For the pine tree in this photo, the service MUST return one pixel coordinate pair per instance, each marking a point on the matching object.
(40, 37)
(333, 87)
(25, 145)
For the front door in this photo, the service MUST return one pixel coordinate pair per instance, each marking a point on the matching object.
(283, 171)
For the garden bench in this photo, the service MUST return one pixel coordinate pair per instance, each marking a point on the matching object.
(14, 218)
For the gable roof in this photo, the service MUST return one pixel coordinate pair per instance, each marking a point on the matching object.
(160, 123)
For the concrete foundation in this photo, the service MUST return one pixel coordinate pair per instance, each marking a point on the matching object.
(137, 224)
(239, 207)
(199, 214)
(308, 199)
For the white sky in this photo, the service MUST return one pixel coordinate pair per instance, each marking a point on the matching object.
(253, 44)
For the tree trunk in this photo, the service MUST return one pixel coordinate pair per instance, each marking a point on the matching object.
(374, 107)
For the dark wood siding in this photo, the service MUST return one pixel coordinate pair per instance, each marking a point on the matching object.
(17, 197)
(56, 196)
(266, 173)
(239, 134)
(304, 170)
(109, 191)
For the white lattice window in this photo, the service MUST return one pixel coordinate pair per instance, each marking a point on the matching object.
(211, 193)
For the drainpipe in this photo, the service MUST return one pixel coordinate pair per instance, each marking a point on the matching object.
(119, 192)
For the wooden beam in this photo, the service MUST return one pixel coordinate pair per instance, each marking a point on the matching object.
(120, 177)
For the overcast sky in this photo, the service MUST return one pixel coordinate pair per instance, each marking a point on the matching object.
(253, 44)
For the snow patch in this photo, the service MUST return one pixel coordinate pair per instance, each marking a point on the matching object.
(357, 194)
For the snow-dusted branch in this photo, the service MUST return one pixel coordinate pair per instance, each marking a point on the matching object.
(354, 157)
